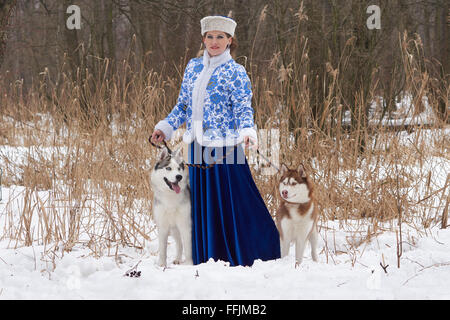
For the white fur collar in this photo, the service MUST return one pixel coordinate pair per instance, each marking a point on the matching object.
(199, 91)
(213, 62)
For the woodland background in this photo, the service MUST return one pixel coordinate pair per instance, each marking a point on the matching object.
(273, 36)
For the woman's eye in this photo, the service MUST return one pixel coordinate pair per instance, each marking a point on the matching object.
(220, 37)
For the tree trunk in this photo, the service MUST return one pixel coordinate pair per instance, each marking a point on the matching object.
(71, 41)
(110, 30)
(6, 9)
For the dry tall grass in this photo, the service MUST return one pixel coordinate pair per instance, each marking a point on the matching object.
(85, 142)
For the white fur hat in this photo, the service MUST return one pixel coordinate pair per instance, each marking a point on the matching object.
(218, 23)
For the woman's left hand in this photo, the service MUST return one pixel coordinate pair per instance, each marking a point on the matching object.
(250, 142)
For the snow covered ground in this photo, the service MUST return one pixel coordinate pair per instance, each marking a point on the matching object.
(403, 113)
(350, 273)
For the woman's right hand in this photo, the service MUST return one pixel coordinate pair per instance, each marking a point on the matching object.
(158, 136)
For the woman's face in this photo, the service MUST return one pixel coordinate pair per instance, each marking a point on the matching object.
(216, 42)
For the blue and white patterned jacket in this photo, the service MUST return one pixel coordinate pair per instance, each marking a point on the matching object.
(215, 101)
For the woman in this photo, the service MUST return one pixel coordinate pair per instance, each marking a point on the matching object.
(230, 221)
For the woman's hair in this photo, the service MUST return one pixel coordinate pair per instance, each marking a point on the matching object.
(233, 46)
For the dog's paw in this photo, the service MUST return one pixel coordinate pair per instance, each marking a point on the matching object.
(177, 261)
(161, 263)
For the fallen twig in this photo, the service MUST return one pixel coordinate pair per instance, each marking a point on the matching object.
(443, 264)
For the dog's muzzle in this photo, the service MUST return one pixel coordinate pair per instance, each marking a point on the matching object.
(174, 185)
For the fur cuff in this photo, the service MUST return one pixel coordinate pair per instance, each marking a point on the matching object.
(251, 132)
(166, 128)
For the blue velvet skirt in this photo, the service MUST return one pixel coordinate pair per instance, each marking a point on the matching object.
(230, 220)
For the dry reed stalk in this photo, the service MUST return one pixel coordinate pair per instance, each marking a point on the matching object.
(444, 223)
(444, 219)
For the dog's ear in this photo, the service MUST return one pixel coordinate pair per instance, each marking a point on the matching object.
(283, 169)
(301, 170)
(178, 152)
(164, 153)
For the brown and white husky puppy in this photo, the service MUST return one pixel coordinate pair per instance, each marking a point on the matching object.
(296, 218)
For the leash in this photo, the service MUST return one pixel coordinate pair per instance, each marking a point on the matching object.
(159, 147)
(267, 160)
(191, 164)
(215, 162)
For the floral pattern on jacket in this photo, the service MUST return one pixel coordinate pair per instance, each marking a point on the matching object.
(227, 110)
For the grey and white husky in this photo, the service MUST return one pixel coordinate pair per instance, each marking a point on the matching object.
(172, 205)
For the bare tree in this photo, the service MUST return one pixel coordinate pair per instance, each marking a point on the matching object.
(6, 9)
